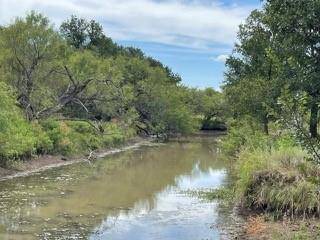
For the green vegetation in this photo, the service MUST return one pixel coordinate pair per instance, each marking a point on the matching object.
(209, 107)
(224, 194)
(74, 90)
(17, 137)
(273, 74)
(278, 179)
(71, 137)
(21, 139)
(272, 92)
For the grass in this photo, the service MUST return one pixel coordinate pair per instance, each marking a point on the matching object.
(273, 174)
(225, 193)
(279, 181)
(276, 185)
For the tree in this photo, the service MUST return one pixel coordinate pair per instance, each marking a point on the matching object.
(83, 34)
(33, 63)
(296, 32)
(80, 70)
(208, 105)
(31, 55)
(143, 90)
(250, 86)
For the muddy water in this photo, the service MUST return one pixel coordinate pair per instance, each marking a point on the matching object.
(138, 194)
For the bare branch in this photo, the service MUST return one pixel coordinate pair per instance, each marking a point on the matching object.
(69, 75)
(76, 100)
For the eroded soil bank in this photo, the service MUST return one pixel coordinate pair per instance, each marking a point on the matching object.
(46, 162)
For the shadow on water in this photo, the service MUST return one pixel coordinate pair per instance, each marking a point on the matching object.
(139, 194)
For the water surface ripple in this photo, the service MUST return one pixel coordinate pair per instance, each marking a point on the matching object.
(139, 194)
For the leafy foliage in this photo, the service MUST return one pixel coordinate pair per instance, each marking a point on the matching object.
(76, 137)
(17, 137)
(76, 90)
(273, 72)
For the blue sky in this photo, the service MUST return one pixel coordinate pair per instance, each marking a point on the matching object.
(193, 37)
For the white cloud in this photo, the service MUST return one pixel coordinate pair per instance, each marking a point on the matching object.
(193, 24)
(220, 58)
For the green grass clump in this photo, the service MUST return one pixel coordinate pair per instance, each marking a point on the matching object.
(225, 193)
(279, 181)
(273, 174)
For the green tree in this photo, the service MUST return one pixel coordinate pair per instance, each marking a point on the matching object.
(83, 34)
(250, 86)
(30, 54)
(145, 90)
(207, 105)
(296, 33)
(35, 61)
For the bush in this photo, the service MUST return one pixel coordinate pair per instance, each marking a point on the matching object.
(242, 135)
(78, 137)
(43, 143)
(18, 138)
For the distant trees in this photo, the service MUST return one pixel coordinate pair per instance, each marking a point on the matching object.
(83, 34)
(208, 106)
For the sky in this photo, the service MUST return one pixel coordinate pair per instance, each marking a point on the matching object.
(192, 37)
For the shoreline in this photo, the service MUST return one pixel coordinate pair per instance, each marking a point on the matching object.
(46, 162)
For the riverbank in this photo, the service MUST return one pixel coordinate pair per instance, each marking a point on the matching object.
(252, 226)
(242, 223)
(46, 162)
(274, 191)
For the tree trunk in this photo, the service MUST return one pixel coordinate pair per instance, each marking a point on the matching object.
(313, 127)
(266, 125)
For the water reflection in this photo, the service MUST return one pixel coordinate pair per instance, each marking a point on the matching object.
(138, 194)
(173, 214)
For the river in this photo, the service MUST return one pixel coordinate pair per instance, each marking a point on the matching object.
(143, 193)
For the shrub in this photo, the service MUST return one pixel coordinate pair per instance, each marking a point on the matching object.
(43, 143)
(18, 138)
(77, 137)
(242, 135)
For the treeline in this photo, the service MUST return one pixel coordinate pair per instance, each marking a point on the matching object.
(272, 87)
(74, 89)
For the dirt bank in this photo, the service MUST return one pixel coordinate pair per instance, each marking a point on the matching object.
(45, 162)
